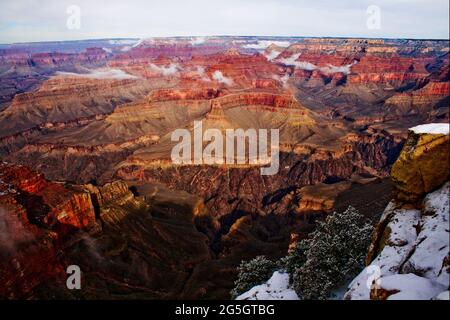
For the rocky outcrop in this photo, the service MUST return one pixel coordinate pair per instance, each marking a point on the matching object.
(126, 244)
(36, 217)
(422, 165)
(320, 197)
(410, 250)
(48, 204)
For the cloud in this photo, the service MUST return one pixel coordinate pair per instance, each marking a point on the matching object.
(201, 72)
(284, 79)
(172, 69)
(330, 69)
(305, 65)
(219, 77)
(292, 61)
(263, 44)
(100, 74)
(197, 40)
(272, 55)
(12, 232)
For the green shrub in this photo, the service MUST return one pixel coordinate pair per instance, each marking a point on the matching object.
(253, 273)
(335, 252)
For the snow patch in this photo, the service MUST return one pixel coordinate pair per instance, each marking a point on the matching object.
(411, 261)
(277, 288)
(411, 287)
(443, 296)
(431, 128)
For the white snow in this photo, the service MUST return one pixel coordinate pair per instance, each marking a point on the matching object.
(417, 246)
(277, 288)
(401, 240)
(445, 295)
(432, 128)
(432, 244)
(411, 287)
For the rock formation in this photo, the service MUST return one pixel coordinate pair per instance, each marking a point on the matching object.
(409, 254)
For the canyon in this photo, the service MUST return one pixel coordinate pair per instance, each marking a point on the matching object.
(87, 176)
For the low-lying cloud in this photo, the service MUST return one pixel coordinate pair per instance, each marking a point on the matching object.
(10, 238)
(100, 74)
(202, 74)
(305, 65)
(272, 55)
(197, 41)
(284, 79)
(329, 69)
(219, 77)
(170, 70)
(264, 44)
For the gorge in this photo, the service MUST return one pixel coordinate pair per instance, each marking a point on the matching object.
(87, 175)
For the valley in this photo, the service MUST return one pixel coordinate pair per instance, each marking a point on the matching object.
(86, 175)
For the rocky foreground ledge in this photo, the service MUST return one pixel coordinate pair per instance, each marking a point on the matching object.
(409, 254)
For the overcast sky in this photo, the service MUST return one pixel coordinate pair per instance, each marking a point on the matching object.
(43, 20)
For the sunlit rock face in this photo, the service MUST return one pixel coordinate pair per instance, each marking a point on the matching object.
(423, 163)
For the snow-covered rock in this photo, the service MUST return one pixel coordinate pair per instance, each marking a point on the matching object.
(277, 288)
(432, 128)
(412, 248)
(410, 287)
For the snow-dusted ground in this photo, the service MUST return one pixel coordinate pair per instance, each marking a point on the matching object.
(432, 128)
(411, 263)
(277, 288)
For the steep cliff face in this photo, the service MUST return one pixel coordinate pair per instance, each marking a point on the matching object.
(125, 244)
(36, 216)
(48, 204)
(409, 255)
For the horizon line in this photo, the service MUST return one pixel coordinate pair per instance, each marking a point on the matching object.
(226, 36)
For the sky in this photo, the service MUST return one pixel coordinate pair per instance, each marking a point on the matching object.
(50, 20)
